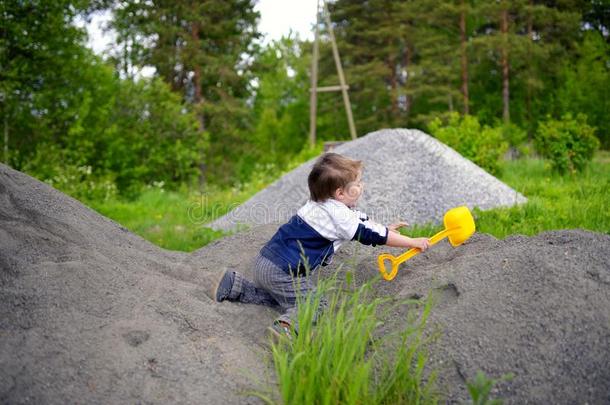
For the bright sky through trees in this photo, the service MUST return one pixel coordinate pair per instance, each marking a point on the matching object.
(278, 17)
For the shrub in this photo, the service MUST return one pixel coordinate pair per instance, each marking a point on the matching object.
(568, 143)
(512, 133)
(482, 145)
(516, 137)
(59, 169)
(81, 183)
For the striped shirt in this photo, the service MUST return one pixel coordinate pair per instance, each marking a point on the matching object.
(315, 233)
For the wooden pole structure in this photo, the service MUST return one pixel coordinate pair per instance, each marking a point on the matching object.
(348, 107)
(343, 87)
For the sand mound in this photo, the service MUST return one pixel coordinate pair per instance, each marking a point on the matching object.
(536, 307)
(92, 313)
(408, 175)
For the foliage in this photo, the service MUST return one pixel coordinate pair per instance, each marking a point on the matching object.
(126, 134)
(375, 40)
(407, 62)
(515, 137)
(40, 62)
(483, 145)
(203, 50)
(569, 143)
(71, 121)
(585, 84)
(152, 137)
(512, 133)
(280, 107)
(69, 118)
(514, 63)
(341, 360)
(53, 165)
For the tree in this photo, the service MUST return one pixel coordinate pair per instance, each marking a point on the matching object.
(585, 84)
(442, 47)
(375, 40)
(198, 48)
(500, 41)
(518, 50)
(71, 119)
(40, 55)
(281, 102)
(464, 54)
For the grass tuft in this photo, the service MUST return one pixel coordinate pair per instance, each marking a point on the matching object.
(340, 358)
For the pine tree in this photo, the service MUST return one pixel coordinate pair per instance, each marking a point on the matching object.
(404, 60)
(519, 48)
(197, 47)
(40, 54)
(375, 42)
(442, 46)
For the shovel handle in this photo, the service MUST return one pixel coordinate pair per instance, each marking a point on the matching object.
(397, 260)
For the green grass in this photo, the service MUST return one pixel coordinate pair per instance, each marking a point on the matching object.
(345, 360)
(175, 220)
(554, 201)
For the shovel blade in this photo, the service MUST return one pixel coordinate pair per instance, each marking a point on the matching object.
(461, 223)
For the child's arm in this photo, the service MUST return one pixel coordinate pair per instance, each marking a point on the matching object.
(394, 239)
(397, 240)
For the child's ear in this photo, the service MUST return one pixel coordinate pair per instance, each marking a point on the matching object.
(338, 193)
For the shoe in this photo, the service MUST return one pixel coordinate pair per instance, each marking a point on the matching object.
(222, 288)
(280, 332)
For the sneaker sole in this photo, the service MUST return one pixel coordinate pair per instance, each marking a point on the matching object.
(213, 290)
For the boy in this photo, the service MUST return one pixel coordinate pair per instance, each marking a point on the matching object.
(308, 240)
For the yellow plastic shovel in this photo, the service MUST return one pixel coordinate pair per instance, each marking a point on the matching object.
(459, 226)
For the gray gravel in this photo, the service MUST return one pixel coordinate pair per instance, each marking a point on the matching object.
(91, 313)
(408, 175)
(535, 307)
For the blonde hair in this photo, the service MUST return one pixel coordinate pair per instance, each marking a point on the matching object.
(330, 172)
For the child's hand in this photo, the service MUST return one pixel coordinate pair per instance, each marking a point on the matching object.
(394, 227)
(420, 243)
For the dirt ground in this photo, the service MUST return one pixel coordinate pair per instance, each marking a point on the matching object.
(91, 313)
(537, 307)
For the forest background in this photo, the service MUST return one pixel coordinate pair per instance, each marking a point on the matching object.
(224, 111)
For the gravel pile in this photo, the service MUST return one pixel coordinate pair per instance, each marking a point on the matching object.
(534, 307)
(91, 313)
(408, 175)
